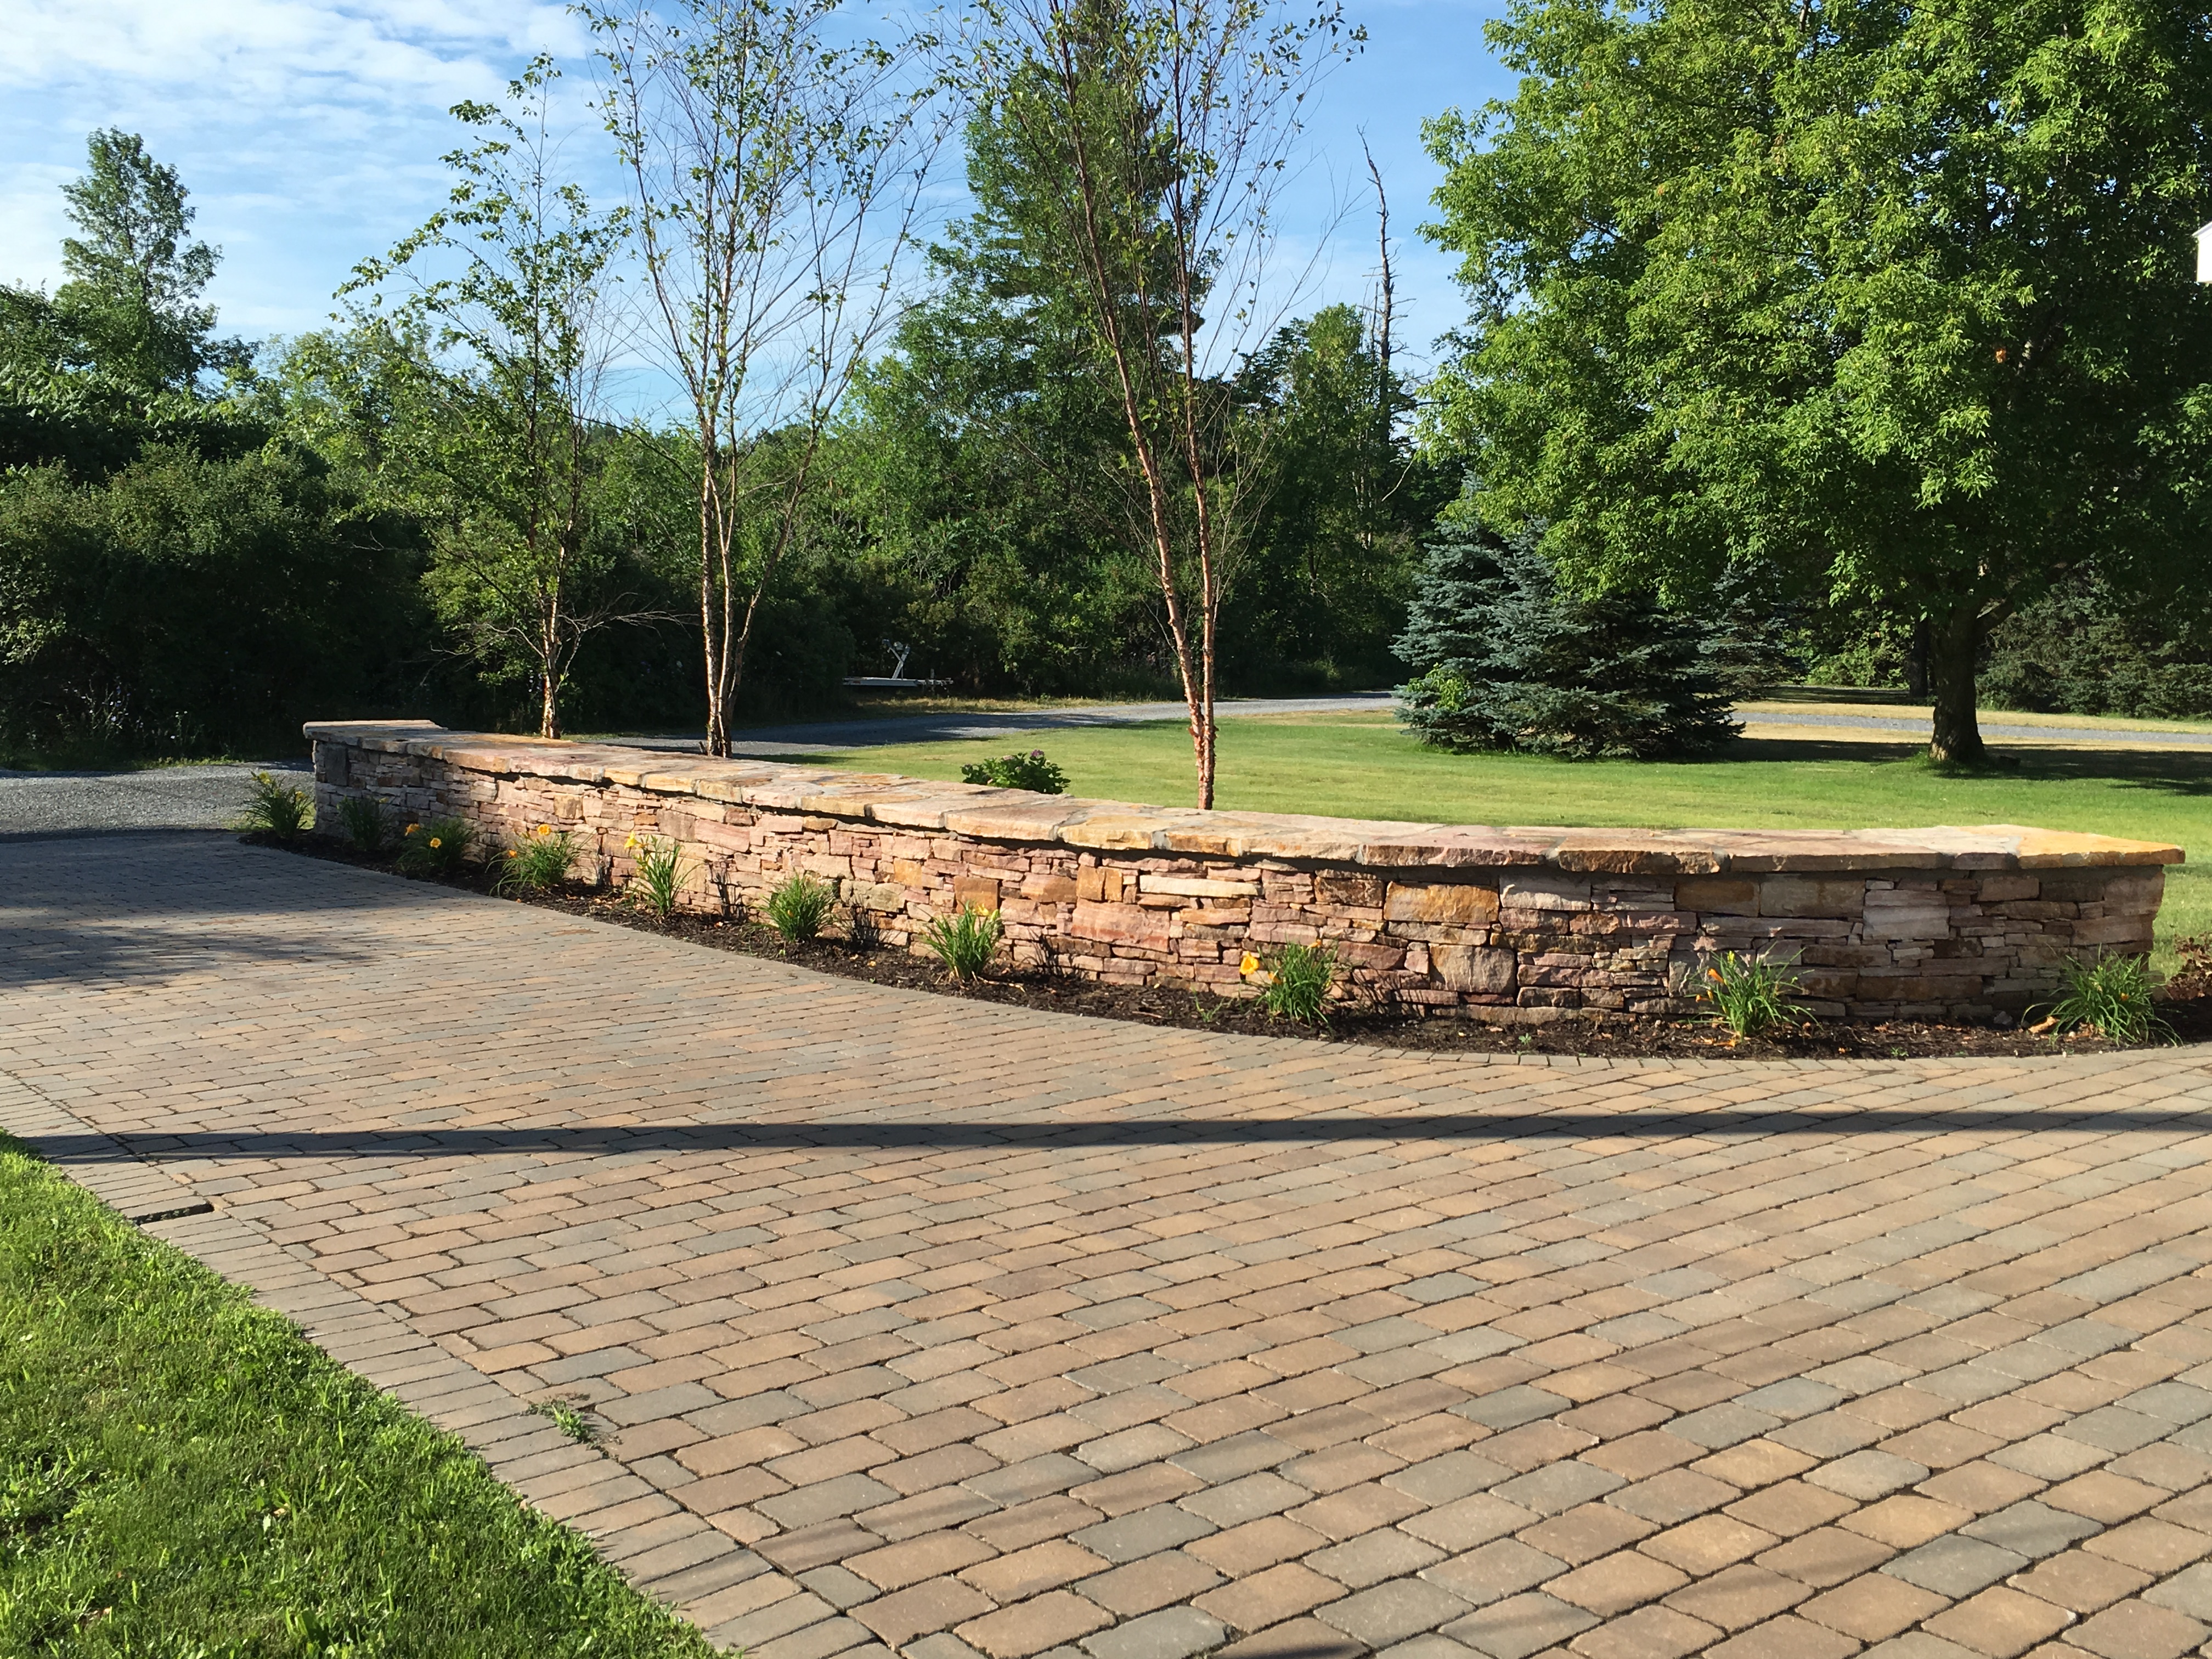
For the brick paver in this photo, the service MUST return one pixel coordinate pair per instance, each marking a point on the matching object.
(964, 1330)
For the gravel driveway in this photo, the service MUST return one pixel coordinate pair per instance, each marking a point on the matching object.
(159, 797)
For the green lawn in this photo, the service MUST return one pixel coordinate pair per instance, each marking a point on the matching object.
(1363, 766)
(182, 1475)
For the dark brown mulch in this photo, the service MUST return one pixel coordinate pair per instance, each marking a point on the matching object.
(1611, 1037)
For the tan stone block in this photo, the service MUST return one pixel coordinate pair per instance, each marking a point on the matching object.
(910, 873)
(1719, 896)
(1049, 890)
(1813, 895)
(1360, 892)
(1463, 904)
(2000, 1622)
(1198, 887)
(1476, 968)
(975, 893)
(1120, 924)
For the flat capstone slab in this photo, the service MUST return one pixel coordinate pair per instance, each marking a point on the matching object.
(917, 1325)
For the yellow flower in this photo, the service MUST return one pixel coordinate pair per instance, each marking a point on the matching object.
(544, 829)
(511, 851)
(1249, 966)
(435, 842)
(412, 827)
(632, 842)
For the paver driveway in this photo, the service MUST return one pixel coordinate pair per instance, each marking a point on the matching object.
(959, 1329)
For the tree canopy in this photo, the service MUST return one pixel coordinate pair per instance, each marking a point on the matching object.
(1897, 298)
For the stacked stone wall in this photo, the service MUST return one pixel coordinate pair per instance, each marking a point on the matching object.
(1508, 926)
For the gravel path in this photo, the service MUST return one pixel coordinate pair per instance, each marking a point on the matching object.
(159, 798)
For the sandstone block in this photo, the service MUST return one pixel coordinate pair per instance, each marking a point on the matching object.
(975, 893)
(1360, 892)
(1726, 895)
(1474, 968)
(1461, 904)
(1542, 890)
(1120, 924)
(1098, 884)
(1813, 895)
(1198, 887)
(1049, 890)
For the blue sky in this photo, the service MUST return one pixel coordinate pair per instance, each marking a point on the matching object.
(309, 130)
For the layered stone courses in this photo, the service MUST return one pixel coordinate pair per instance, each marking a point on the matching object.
(953, 1329)
(1513, 925)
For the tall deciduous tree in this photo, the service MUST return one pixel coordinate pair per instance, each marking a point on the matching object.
(1141, 142)
(777, 172)
(508, 287)
(1896, 295)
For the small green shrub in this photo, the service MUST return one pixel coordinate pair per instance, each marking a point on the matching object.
(1749, 995)
(539, 860)
(965, 942)
(798, 908)
(2111, 996)
(658, 883)
(439, 848)
(1018, 771)
(283, 810)
(366, 824)
(1298, 986)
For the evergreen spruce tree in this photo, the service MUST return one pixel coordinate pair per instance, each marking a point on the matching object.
(1505, 659)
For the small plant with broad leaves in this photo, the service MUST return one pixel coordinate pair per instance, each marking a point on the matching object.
(439, 848)
(283, 810)
(657, 882)
(965, 941)
(538, 860)
(1030, 771)
(366, 824)
(2111, 996)
(1749, 995)
(798, 906)
(1296, 986)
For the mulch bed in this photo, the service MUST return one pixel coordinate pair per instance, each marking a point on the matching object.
(1608, 1036)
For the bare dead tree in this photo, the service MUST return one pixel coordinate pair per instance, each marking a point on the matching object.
(1155, 135)
(777, 173)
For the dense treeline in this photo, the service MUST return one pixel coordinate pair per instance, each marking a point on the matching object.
(1749, 391)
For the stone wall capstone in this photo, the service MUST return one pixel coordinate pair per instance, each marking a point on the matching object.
(1507, 925)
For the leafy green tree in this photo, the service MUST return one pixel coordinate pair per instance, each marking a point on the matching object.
(1895, 297)
(1334, 544)
(504, 292)
(184, 604)
(1505, 660)
(116, 357)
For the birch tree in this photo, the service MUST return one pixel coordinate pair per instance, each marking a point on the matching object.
(1151, 137)
(505, 292)
(777, 170)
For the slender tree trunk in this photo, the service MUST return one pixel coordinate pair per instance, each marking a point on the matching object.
(549, 715)
(1954, 649)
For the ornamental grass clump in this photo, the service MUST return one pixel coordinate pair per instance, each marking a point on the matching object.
(1298, 986)
(965, 941)
(539, 860)
(365, 821)
(798, 908)
(281, 809)
(439, 848)
(657, 882)
(2111, 996)
(1031, 771)
(1749, 995)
